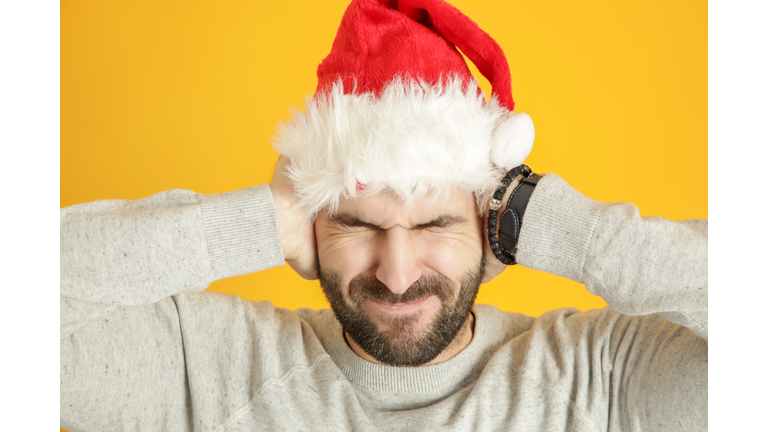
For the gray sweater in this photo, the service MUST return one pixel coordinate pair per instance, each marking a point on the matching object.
(143, 347)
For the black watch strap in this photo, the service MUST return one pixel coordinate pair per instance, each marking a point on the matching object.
(511, 219)
(493, 212)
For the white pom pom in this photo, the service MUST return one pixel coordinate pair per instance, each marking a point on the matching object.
(512, 140)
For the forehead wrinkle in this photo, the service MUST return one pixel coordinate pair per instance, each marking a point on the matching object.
(378, 210)
(352, 220)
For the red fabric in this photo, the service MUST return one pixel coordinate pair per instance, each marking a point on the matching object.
(380, 39)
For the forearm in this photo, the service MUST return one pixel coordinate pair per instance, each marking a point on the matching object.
(638, 265)
(117, 252)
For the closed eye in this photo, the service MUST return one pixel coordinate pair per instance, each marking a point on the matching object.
(442, 223)
(353, 223)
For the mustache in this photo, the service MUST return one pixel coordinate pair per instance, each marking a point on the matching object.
(369, 287)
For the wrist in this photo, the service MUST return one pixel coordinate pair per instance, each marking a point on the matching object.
(288, 223)
(296, 228)
(507, 210)
(505, 199)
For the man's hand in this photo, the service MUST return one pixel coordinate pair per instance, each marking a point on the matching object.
(297, 232)
(494, 267)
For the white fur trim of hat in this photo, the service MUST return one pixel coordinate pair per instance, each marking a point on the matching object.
(411, 140)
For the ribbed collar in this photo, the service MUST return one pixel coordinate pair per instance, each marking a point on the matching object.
(442, 377)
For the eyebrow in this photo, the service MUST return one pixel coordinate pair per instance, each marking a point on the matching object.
(442, 221)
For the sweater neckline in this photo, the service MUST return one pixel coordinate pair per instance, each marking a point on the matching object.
(444, 376)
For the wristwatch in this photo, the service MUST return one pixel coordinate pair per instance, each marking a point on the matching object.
(504, 245)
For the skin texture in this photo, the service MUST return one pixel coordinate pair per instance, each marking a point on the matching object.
(400, 338)
(401, 279)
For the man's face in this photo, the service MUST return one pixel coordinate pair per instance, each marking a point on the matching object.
(401, 279)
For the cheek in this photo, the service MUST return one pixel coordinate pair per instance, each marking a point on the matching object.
(453, 254)
(452, 257)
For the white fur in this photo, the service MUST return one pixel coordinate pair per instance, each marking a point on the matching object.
(412, 140)
(512, 141)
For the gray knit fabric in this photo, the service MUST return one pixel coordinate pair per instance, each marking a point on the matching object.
(143, 347)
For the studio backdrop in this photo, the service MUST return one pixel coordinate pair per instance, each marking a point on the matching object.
(159, 95)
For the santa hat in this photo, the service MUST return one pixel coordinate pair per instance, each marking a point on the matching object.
(396, 109)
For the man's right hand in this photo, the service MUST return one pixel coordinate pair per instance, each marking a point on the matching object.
(297, 231)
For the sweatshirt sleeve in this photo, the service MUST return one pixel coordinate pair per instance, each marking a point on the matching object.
(130, 253)
(639, 265)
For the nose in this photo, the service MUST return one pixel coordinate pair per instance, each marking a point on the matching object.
(398, 265)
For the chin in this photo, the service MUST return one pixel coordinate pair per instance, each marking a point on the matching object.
(398, 330)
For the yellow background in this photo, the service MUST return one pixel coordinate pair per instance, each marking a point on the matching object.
(159, 95)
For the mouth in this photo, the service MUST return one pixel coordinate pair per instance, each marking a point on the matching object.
(399, 309)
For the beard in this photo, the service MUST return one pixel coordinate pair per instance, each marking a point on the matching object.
(403, 343)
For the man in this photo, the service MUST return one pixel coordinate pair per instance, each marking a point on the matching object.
(401, 189)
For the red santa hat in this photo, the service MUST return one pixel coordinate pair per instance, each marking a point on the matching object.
(396, 109)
